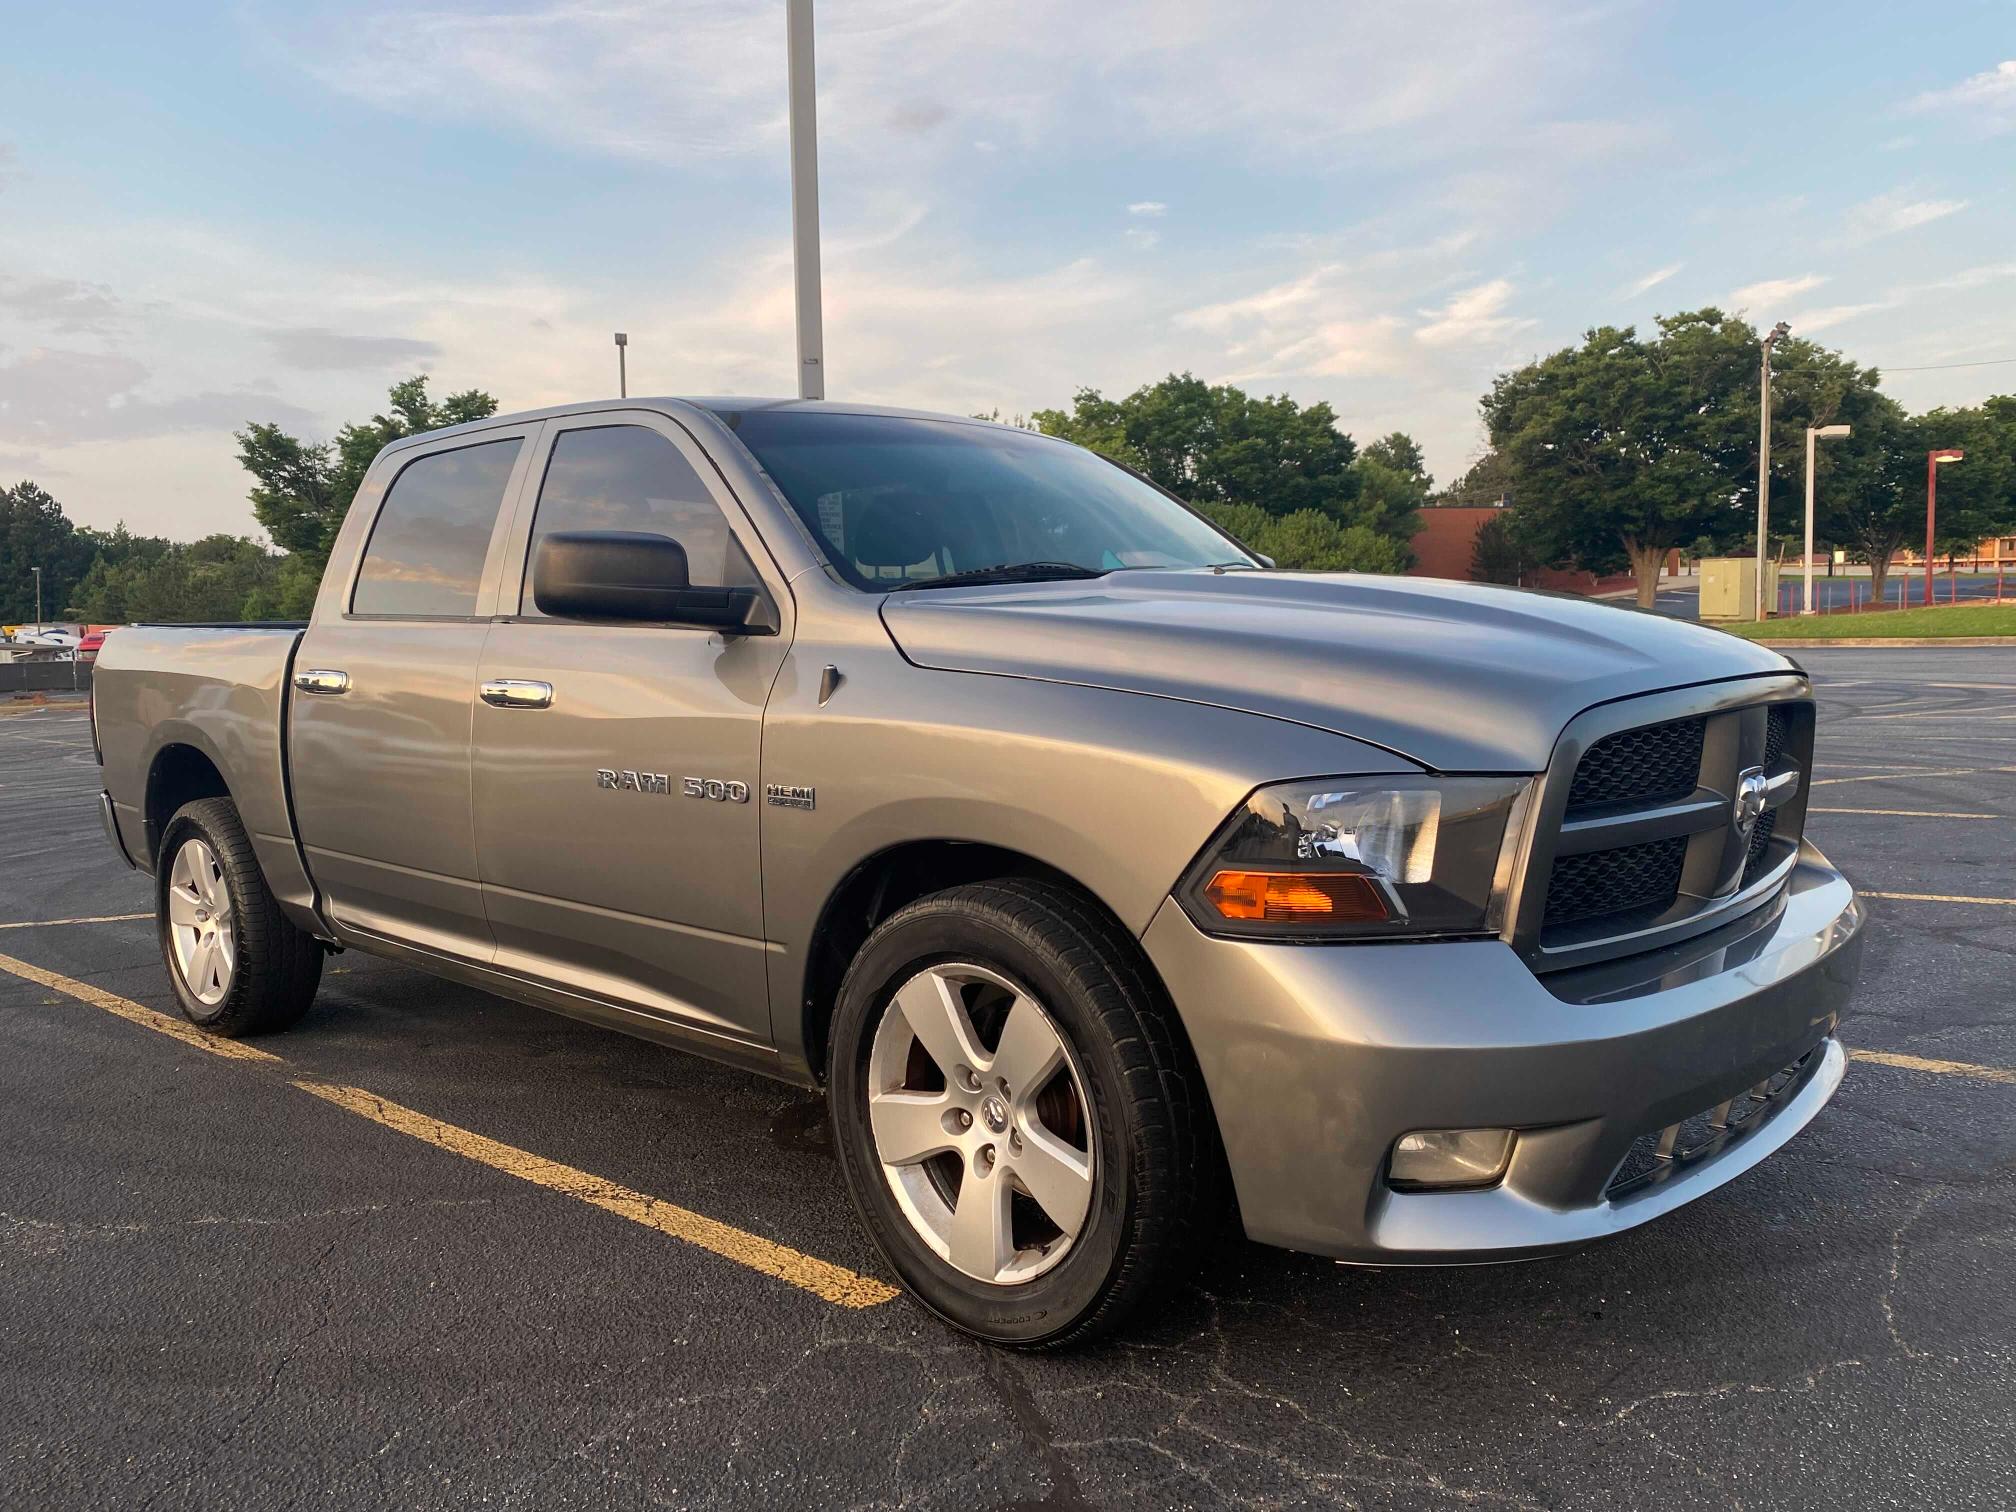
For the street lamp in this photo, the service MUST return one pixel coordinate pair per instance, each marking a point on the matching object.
(1933, 459)
(622, 368)
(38, 598)
(1778, 333)
(1814, 433)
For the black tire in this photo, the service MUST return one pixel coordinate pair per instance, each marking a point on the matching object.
(278, 966)
(1159, 1173)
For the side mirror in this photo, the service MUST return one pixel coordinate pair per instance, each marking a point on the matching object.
(636, 577)
(1265, 560)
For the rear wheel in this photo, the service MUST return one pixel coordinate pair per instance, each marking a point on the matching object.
(237, 964)
(1020, 1126)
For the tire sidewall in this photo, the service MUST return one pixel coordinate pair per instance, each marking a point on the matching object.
(1029, 1312)
(184, 827)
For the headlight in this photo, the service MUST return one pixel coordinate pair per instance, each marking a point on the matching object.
(1363, 858)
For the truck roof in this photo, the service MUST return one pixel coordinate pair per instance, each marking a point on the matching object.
(727, 409)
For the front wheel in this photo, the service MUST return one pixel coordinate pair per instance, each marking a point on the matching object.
(1021, 1127)
(237, 964)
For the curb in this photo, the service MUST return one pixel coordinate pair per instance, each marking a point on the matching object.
(1873, 641)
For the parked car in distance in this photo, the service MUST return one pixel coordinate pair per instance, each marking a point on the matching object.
(49, 635)
(1084, 864)
(89, 644)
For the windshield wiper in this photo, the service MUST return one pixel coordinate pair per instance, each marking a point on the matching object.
(1006, 572)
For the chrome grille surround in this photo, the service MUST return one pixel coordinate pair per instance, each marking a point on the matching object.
(1745, 725)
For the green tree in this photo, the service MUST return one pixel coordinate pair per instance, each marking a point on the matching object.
(35, 532)
(1218, 444)
(210, 579)
(1621, 449)
(1402, 453)
(303, 489)
(1309, 540)
(1498, 553)
(1488, 480)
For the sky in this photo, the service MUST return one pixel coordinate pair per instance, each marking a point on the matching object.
(215, 215)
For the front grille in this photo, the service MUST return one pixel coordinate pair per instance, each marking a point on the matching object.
(1655, 1157)
(1648, 850)
(1630, 879)
(1756, 859)
(1777, 734)
(1659, 762)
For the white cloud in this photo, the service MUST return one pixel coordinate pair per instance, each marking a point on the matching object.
(1473, 317)
(1889, 213)
(1649, 282)
(1147, 207)
(1989, 98)
(687, 78)
(318, 347)
(1812, 322)
(1774, 290)
(1141, 237)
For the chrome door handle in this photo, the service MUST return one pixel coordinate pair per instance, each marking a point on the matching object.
(322, 680)
(517, 693)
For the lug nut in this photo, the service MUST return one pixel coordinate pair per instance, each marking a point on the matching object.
(1002, 1083)
(969, 1078)
(965, 1119)
(986, 1159)
(1015, 1141)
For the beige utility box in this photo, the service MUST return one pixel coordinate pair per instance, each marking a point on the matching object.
(1729, 588)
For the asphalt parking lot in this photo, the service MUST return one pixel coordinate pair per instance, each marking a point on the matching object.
(534, 1264)
(1838, 595)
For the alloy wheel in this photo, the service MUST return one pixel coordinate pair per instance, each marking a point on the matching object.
(981, 1123)
(199, 923)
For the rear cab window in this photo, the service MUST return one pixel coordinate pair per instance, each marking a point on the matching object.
(425, 555)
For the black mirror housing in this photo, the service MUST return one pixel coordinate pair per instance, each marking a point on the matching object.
(638, 577)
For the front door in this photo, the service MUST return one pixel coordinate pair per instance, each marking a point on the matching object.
(617, 794)
(384, 684)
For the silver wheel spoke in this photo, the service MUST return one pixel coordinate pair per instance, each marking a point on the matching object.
(1030, 1051)
(910, 1126)
(1057, 1176)
(226, 947)
(182, 906)
(203, 966)
(980, 1237)
(206, 876)
(931, 1007)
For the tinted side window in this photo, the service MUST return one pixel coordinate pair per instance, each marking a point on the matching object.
(626, 477)
(426, 551)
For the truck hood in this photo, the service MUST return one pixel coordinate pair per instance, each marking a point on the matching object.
(1455, 676)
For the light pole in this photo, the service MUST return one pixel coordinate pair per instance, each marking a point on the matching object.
(38, 598)
(1778, 333)
(1933, 459)
(805, 198)
(1814, 433)
(622, 367)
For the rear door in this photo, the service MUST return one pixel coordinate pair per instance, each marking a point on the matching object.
(384, 684)
(617, 802)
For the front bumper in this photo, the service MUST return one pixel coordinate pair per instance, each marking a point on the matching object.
(1318, 1058)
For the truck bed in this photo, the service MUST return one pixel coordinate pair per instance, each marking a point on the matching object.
(171, 698)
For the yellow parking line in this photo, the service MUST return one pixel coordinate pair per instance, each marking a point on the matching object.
(1904, 813)
(2000, 1074)
(1912, 772)
(1939, 898)
(99, 919)
(133, 1013)
(822, 1278)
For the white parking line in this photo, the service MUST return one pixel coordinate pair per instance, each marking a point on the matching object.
(52, 923)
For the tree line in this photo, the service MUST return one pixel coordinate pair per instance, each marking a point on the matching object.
(1609, 453)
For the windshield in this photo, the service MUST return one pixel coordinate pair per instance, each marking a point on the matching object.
(895, 500)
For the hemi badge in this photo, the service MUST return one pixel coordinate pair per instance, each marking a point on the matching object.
(785, 796)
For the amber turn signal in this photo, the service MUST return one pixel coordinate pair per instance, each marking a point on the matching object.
(1297, 897)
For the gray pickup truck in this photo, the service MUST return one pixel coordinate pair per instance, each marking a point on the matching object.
(1100, 876)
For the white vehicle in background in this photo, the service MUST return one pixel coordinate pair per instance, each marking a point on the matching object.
(47, 635)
